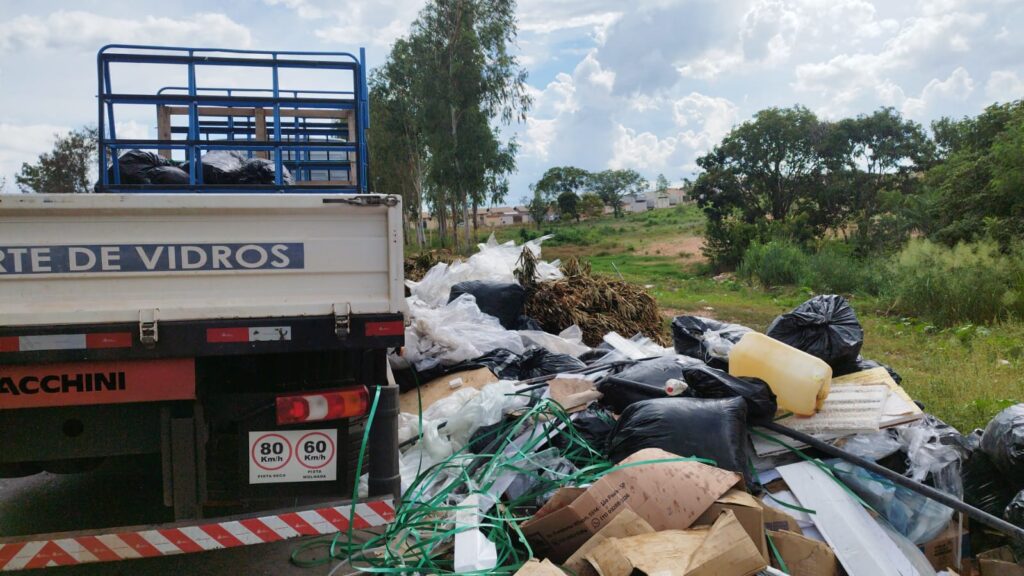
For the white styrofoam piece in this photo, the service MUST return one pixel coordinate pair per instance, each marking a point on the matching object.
(860, 544)
(473, 551)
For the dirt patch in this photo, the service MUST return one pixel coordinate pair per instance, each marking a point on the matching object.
(687, 248)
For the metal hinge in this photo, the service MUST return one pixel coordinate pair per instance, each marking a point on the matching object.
(342, 319)
(148, 330)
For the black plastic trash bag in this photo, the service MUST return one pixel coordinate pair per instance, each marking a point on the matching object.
(824, 326)
(1003, 442)
(143, 167)
(539, 362)
(503, 301)
(1014, 514)
(505, 364)
(861, 364)
(707, 382)
(222, 166)
(594, 425)
(260, 171)
(642, 381)
(715, 429)
(524, 322)
(985, 487)
(167, 175)
(706, 339)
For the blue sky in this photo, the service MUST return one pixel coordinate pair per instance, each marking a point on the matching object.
(649, 84)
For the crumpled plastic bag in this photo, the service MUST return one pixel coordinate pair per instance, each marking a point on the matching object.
(1003, 442)
(824, 326)
(706, 339)
(455, 332)
(934, 450)
(568, 341)
(707, 382)
(493, 263)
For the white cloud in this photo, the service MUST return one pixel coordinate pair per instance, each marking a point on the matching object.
(539, 136)
(644, 151)
(703, 119)
(23, 143)
(957, 87)
(1004, 86)
(85, 30)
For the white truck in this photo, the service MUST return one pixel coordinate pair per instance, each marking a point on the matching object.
(238, 335)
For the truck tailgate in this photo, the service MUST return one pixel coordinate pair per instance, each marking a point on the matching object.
(98, 258)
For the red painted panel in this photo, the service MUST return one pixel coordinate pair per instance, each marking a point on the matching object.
(389, 328)
(9, 344)
(227, 335)
(82, 383)
(109, 340)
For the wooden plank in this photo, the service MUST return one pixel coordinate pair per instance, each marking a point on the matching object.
(249, 111)
(261, 131)
(163, 128)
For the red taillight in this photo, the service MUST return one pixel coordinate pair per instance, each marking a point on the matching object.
(328, 405)
(389, 328)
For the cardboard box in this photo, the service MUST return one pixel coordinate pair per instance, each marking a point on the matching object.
(942, 550)
(623, 525)
(999, 562)
(804, 556)
(668, 495)
(535, 568)
(442, 387)
(748, 510)
(724, 548)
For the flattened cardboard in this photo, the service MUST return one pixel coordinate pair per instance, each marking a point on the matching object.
(775, 519)
(748, 510)
(623, 525)
(439, 388)
(573, 394)
(535, 568)
(668, 495)
(999, 562)
(804, 556)
(724, 548)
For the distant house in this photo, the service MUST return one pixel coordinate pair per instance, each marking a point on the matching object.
(677, 196)
(634, 203)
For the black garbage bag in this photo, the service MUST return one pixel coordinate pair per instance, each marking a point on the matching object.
(594, 425)
(706, 339)
(715, 429)
(222, 166)
(524, 322)
(1014, 514)
(167, 175)
(503, 301)
(985, 487)
(824, 326)
(1003, 442)
(261, 171)
(641, 381)
(143, 167)
(505, 364)
(861, 364)
(707, 382)
(539, 362)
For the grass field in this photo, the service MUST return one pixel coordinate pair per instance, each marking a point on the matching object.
(963, 375)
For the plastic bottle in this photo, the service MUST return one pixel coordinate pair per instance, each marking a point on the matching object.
(800, 381)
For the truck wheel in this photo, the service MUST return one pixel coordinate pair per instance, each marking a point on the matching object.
(19, 470)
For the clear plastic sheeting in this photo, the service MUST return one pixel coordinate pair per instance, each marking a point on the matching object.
(568, 341)
(453, 333)
(872, 445)
(932, 451)
(493, 263)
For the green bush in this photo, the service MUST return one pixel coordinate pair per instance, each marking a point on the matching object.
(971, 282)
(834, 269)
(777, 263)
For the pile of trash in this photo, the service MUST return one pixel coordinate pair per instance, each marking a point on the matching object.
(218, 167)
(730, 453)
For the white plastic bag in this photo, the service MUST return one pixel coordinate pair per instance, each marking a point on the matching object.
(453, 333)
(568, 341)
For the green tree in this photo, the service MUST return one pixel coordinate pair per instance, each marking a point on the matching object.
(537, 207)
(63, 170)
(398, 153)
(978, 187)
(591, 205)
(465, 76)
(561, 179)
(568, 205)
(612, 185)
(661, 184)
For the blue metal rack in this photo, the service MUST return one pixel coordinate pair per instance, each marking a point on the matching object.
(318, 135)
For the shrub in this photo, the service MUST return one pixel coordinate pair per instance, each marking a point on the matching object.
(971, 282)
(834, 269)
(777, 263)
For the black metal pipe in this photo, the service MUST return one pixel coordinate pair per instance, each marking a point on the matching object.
(1015, 532)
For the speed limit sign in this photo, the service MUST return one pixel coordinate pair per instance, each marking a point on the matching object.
(293, 456)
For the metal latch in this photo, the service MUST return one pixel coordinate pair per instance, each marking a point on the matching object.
(342, 319)
(148, 332)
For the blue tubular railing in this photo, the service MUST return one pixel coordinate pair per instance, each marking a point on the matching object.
(284, 124)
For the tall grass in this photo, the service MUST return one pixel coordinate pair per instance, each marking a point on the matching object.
(971, 282)
(777, 263)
